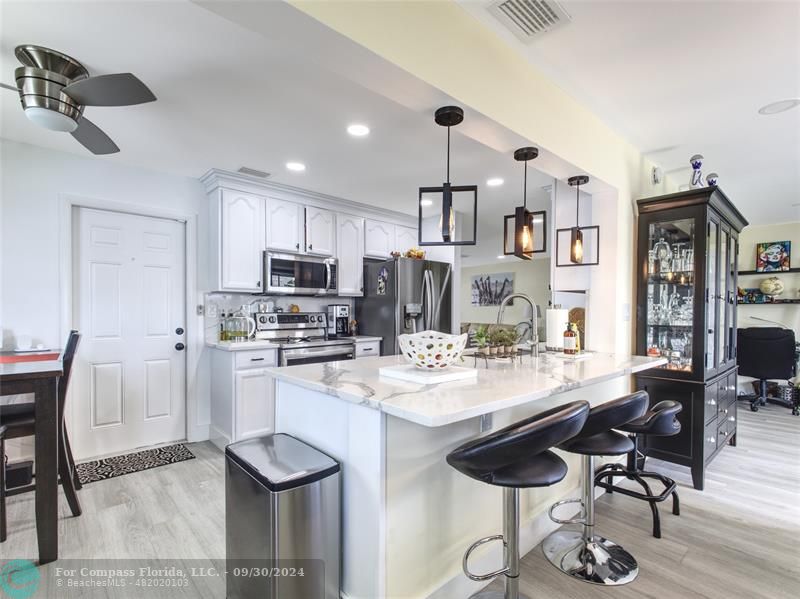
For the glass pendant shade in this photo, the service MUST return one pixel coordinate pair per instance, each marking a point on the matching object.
(576, 246)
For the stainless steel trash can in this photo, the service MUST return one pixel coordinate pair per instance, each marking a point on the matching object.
(282, 520)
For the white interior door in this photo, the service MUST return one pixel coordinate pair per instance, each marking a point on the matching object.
(129, 286)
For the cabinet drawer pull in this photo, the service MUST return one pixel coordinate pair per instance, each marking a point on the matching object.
(731, 418)
(367, 349)
(712, 402)
(256, 359)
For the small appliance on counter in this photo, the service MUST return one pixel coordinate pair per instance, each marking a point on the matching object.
(338, 320)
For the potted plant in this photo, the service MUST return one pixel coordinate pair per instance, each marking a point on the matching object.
(509, 342)
(496, 341)
(515, 338)
(481, 339)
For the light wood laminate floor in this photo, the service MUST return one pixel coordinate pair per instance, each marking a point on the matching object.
(737, 539)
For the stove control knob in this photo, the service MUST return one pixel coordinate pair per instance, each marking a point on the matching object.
(262, 319)
(272, 319)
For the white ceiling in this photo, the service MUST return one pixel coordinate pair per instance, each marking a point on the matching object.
(278, 87)
(679, 78)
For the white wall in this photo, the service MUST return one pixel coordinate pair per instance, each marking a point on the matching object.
(34, 182)
(788, 314)
(531, 277)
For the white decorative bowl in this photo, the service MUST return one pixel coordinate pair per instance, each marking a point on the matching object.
(432, 349)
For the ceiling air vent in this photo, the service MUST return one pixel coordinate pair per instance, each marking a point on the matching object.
(529, 19)
(245, 170)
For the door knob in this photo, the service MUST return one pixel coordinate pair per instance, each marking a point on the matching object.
(179, 331)
(180, 346)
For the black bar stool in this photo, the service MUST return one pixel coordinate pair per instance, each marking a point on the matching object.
(515, 458)
(660, 420)
(581, 554)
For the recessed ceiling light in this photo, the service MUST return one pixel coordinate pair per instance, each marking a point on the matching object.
(357, 130)
(779, 106)
(296, 166)
(494, 181)
(425, 203)
(501, 257)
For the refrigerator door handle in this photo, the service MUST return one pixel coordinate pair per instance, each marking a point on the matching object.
(430, 309)
(440, 296)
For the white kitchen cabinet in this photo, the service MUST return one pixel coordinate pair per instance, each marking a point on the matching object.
(320, 232)
(350, 252)
(241, 241)
(405, 238)
(284, 225)
(242, 395)
(367, 349)
(379, 239)
(255, 403)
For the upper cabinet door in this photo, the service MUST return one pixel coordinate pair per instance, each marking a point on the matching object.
(320, 232)
(405, 238)
(350, 251)
(284, 226)
(242, 241)
(379, 239)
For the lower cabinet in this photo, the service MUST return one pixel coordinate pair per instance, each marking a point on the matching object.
(242, 395)
(708, 420)
(367, 349)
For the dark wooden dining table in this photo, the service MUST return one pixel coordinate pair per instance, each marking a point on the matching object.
(40, 377)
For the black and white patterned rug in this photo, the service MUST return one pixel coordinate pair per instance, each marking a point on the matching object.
(89, 472)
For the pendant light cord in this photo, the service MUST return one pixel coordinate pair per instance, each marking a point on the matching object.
(578, 206)
(525, 187)
(448, 154)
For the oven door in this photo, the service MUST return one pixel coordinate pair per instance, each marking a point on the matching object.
(315, 355)
(289, 274)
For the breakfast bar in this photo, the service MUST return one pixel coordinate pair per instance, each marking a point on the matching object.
(408, 516)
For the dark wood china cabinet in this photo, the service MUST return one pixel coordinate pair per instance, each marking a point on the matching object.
(686, 312)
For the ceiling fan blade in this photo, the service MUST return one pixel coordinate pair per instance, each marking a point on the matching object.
(93, 139)
(119, 89)
(13, 88)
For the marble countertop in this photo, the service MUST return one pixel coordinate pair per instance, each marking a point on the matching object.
(501, 386)
(365, 338)
(242, 345)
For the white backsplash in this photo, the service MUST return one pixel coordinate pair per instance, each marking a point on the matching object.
(217, 303)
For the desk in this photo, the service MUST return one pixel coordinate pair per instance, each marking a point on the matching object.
(41, 379)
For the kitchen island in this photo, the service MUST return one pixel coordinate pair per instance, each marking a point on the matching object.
(407, 516)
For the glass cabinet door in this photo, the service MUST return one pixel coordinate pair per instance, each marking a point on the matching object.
(722, 298)
(712, 277)
(733, 262)
(671, 292)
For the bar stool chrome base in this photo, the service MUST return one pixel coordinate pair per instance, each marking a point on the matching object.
(598, 561)
(494, 595)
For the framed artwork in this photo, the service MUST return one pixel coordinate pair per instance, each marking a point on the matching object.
(492, 289)
(773, 256)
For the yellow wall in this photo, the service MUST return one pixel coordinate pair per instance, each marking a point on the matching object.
(440, 43)
(749, 237)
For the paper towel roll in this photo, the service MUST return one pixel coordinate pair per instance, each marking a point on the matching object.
(557, 320)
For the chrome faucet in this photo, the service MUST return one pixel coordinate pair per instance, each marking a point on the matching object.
(534, 321)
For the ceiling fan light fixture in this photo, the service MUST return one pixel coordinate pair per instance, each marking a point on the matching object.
(51, 119)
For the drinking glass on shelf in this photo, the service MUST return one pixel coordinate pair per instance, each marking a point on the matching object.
(663, 254)
(651, 262)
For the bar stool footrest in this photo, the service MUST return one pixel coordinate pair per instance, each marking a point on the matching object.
(473, 547)
(579, 519)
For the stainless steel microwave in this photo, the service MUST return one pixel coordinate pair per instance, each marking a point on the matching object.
(292, 274)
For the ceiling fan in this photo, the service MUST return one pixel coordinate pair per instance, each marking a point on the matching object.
(54, 89)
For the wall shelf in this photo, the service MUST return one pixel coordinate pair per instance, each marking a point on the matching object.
(768, 274)
(774, 303)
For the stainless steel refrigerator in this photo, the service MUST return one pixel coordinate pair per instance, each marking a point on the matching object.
(404, 296)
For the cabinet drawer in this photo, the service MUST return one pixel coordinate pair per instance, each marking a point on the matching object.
(369, 348)
(710, 438)
(711, 402)
(257, 358)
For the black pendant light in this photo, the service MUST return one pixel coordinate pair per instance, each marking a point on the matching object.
(522, 217)
(576, 236)
(441, 198)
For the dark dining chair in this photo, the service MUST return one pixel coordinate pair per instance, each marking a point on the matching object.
(19, 420)
(2, 483)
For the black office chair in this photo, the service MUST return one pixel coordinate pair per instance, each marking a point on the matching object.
(767, 353)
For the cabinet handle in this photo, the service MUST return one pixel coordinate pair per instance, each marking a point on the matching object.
(711, 440)
(367, 349)
(310, 247)
(712, 402)
(297, 245)
(256, 359)
(731, 418)
(258, 283)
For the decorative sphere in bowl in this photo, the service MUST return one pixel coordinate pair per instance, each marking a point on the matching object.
(772, 286)
(431, 350)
